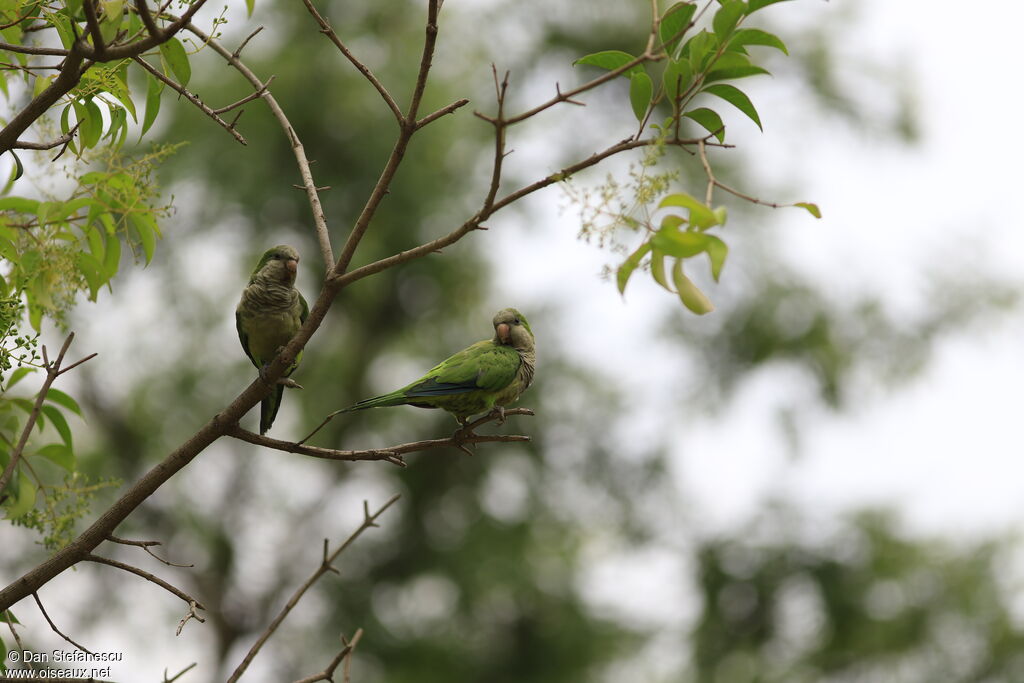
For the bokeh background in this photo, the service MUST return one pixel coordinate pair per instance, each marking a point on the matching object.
(820, 481)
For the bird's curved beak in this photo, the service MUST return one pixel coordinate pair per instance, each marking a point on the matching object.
(292, 265)
(504, 333)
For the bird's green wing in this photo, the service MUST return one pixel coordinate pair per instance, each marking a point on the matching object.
(484, 366)
(243, 337)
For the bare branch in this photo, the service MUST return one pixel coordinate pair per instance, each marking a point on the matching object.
(328, 673)
(191, 97)
(52, 372)
(589, 85)
(192, 602)
(191, 614)
(443, 111)
(145, 545)
(325, 566)
(327, 30)
(380, 190)
(62, 140)
(54, 626)
(238, 50)
(319, 219)
(247, 98)
(179, 674)
(385, 454)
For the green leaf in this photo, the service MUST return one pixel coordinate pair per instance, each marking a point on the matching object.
(95, 239)
(610, 60)
(717, 251)
(17, 376)
(641, 90)
(173, 53)
(689, 294)
(19, 169)
(24, 500)
(113, 13)
(679, 244)
(726, 17)
(699, 49)
(58, 454)
(755, 5)
(249, 6)
(8, 617)
(700, 215)
(710, 120)
(153, 89)
(737, 98)
(676, 78)
(147, 230)
(629, 265)
(19, 204)
(658, 269)
(92, 270)
(674, 23)
(811, 208)
(112, 258)
(732, 65)
(59, 422)
(60, 398)
(755, 36)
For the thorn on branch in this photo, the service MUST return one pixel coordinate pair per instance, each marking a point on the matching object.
(179, 674)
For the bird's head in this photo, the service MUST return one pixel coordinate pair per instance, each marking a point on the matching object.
(511, 329)
(279, 263)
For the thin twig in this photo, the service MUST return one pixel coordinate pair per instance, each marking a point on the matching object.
(147, 18)
(325, 566)
(93, 24)
(319, 218)
(247, 98)
(238, 50)
(145, 545)
(52, 372)
(343, 655)
(408, 128)
(191, 97)
(179, 674)
(443, 111)
(327, 30)
(54, 626)
(148, 577)
(62, 140)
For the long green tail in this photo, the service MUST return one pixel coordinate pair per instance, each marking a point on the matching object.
(269, 407)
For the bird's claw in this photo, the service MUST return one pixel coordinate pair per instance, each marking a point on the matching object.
(500, 412)
(289, 382)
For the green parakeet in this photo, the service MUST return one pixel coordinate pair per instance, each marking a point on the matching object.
(489, 374)
(269, 314)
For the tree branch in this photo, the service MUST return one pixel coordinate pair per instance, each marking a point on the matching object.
(54, 626)
(343, 655)
(327, 30)
(53, 371)
(325, 566)
(193, 98)
(392, 454)
(145, 545)
(319, 219)
(406, 132)
(177, 592)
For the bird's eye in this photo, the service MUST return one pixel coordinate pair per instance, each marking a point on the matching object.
(516, 321)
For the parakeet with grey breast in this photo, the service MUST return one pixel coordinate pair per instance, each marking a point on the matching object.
(485, 376)
(269, 314)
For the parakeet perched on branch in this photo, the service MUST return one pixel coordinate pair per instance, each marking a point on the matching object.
(489, 374)
(269, 314)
